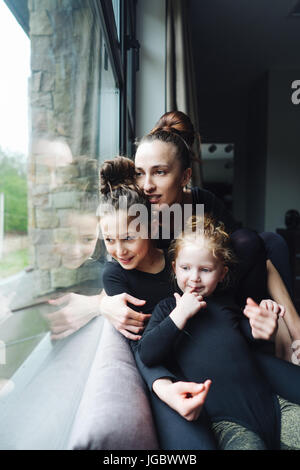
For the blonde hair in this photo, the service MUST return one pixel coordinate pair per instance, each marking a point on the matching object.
(213, 234)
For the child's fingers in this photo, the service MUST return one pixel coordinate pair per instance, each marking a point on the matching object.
(264, 329)
(207, 385)
(189, 388)
(251, 312)
(251, 302)
(190, 290)
(200, 392)
(281, 310)
(269, 305)
(204, 393)
(130, 335)
(177, 297)
(273, 306)
(195, 389)
(197, 295)
(262, 326)
(278, 309)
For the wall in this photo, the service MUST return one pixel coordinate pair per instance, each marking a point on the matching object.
(256, 155)
(283, 153)
(150, 93)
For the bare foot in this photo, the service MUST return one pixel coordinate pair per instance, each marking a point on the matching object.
(295, 359)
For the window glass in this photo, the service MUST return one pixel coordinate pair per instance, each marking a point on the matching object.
(15, 71)
(50, 189)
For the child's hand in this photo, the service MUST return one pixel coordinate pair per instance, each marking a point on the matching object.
(187, 398)
(273, 306)
(189, 303)
(263, 318)
(187, 306)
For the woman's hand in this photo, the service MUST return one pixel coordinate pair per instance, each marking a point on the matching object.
(123, 318)
(187, 306)
(263, 318)
(75, 311)
(187, 398)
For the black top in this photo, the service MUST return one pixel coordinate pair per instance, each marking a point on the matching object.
(145, 286)
(212, 346)
(212, 206)
(215, 207)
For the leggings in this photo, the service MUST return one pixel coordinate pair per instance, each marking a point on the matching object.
(252, 251)
(232, 436)
(250, 277)
(277, 251)
(176, 433)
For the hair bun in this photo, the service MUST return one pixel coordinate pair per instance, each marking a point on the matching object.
(178, 123)
(115, 173)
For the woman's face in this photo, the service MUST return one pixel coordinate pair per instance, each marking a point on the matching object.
(124, 244)
(159, 173)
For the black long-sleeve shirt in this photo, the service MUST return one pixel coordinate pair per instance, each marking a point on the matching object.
(212, 346)
(145, 286)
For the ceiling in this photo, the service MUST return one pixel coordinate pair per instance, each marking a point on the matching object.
(248, 34)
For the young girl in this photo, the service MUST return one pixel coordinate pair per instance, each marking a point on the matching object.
(139, 267)
(201, 331)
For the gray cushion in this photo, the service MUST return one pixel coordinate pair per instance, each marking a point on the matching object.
(114, 412)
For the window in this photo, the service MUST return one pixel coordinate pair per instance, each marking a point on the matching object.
(82, 111)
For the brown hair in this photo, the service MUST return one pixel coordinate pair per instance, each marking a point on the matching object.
(213, 233)
(117, 180)
(176, 128)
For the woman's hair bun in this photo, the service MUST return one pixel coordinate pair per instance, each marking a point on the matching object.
(178, 123)
(116, 173)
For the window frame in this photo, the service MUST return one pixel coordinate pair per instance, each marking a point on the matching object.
(117, 50)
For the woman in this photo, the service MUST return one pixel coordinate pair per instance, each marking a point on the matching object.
(166, 185)
(159, 174)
